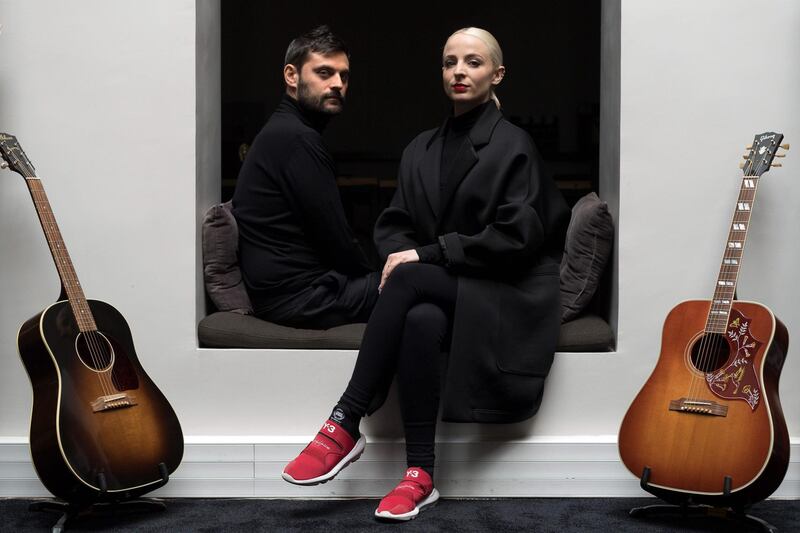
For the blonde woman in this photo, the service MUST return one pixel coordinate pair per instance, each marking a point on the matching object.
(471, 242)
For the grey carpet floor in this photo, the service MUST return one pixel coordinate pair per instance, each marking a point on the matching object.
(504, 515)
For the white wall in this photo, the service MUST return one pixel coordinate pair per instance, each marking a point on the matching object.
(699, 79)
(103, 97)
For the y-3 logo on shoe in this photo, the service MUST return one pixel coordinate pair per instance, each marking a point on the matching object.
(330, 428)
(412, 473)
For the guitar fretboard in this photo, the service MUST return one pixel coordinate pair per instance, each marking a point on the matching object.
(725, 289)
(66, 271)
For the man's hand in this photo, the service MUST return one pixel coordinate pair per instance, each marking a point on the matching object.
(397, 258)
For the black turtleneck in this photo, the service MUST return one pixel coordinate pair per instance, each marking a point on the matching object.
(292, 226)
(309, 117)
(455, 131)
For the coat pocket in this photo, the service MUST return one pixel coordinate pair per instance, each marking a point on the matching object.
(529, 323)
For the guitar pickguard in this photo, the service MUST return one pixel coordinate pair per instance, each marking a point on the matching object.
(738, 379)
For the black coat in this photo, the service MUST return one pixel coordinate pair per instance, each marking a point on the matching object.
(500, 223)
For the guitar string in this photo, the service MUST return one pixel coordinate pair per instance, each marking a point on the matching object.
(698, 362)
(104, 356)
(62, 259)
(709, 356)
(106, 351)
(709, 344)
(709, 351)
(747, 195)
(98, 347)
(106, 343)
(741, 216)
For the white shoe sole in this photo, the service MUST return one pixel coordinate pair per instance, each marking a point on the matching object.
(432, 498)
(351, 457)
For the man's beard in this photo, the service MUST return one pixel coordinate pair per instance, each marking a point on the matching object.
(317, 103)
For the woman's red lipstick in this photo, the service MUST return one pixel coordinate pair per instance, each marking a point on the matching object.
(460, 88)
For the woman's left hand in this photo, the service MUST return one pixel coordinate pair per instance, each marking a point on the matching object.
(397, 258)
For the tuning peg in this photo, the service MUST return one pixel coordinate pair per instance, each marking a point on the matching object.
(780, 155)
(745, 156)
(775, 165)
(785, 146)
(741, 165)
(3, 164)
(748, 147)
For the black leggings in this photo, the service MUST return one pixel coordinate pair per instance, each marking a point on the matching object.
(405, 335)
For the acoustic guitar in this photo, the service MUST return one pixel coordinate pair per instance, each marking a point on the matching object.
(707, 426)
(100, 428)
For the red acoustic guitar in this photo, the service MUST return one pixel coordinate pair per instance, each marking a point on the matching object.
(100, 428)
(708, 427)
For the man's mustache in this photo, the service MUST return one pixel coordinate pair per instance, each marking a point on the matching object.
(337, 96)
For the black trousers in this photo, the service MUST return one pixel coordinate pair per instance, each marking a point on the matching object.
(406, 333)
(331, 300)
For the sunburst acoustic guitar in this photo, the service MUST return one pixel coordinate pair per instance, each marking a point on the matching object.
(707, 427)
(100, 428)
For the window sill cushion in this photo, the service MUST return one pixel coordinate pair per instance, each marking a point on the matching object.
(587, 333)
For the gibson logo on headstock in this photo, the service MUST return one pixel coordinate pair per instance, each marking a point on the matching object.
(765, 137)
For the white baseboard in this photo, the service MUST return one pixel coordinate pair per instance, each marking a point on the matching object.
(251, 467)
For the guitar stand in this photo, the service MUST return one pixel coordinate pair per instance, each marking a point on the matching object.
(687, 509)
(72, 511)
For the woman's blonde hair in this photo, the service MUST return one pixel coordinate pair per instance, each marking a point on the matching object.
(495, 52)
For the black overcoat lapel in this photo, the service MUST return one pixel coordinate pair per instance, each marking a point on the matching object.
(467, 157)
(429, 169)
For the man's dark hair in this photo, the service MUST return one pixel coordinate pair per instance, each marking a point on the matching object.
(320, 40)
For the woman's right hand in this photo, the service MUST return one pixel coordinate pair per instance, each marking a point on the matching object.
(397, 258)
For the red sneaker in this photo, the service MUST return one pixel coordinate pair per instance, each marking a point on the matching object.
(412, 494)
(331, 450)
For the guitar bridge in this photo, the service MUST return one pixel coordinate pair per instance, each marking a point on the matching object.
(113, 401)
(698, 407)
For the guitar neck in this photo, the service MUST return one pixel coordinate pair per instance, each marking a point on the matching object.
(725, 287)
(66, 271)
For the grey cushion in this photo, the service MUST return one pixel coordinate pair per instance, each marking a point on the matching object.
(231, 330)
(586, 251)
(221, 274)
(588, 333)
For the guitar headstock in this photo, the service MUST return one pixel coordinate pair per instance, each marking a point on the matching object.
(762, 152)
(12, 156)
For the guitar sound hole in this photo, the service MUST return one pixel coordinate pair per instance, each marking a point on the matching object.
(710, 352)
(94, 350)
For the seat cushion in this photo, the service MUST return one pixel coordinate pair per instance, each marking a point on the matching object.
(589, 333)
(233, 330)
(221, 273)
(586, 252)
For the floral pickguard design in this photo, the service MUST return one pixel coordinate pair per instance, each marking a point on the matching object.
(738, 380)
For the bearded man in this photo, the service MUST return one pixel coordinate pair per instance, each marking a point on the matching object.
(300, 261)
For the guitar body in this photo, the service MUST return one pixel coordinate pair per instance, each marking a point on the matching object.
(691, 451)
(84, 449)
